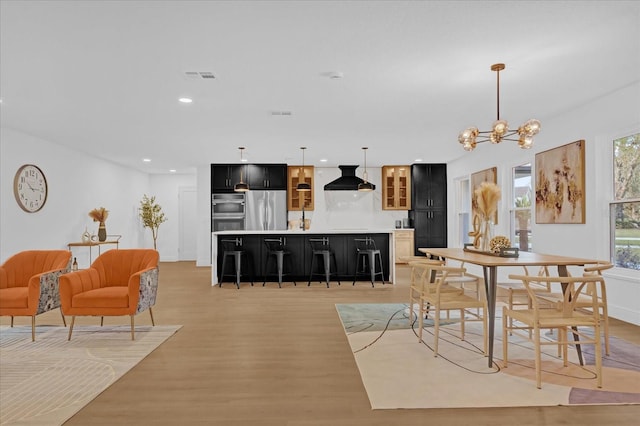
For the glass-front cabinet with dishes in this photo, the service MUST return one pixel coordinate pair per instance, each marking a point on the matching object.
(396, 187)
(295, 199)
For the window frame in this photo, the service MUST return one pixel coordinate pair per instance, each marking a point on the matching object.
(614, 202)
(513, 209)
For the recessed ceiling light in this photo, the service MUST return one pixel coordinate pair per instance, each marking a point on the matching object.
(418, 160)
(186, 100)
(323, 160)
(146, 160)
(172, 170)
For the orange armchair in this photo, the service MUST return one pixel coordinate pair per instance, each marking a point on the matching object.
(119, 282)
(29, 283)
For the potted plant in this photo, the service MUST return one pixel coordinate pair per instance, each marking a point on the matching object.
(152, 216)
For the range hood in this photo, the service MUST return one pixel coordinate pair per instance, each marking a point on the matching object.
(347, 182)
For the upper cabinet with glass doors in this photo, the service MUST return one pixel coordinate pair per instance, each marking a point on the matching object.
(396, 187)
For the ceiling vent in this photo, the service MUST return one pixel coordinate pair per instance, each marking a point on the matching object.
(199, 75)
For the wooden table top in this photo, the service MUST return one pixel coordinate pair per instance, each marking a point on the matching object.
(524, 258)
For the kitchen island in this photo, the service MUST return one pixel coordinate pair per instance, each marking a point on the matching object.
(342, 241)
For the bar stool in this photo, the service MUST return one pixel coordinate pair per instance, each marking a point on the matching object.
(367, 254)
(233, 248)
(320, 248)
(277, 250)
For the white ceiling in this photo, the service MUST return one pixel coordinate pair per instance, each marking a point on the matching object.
(105, 76)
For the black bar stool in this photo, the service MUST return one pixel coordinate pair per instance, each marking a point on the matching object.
(277, 250)
(368, 256)
(320, 248)
(233, 248)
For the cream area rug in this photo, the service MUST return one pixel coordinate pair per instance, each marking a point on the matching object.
(47, 381)
(399, 372)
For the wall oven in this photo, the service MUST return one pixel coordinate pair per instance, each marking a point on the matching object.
(228, 224)
(228, 212)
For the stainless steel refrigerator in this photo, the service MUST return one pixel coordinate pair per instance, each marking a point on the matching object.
(266, 210)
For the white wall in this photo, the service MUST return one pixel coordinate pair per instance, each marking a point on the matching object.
(598, 123)
(77, 183)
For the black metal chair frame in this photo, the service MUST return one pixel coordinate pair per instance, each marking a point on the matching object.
(320, 247)
(367, 254)
(233, 248)
(277, 250)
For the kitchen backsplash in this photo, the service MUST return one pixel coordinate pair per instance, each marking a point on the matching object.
(348, 209)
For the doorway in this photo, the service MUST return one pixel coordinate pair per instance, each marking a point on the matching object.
(188, 205)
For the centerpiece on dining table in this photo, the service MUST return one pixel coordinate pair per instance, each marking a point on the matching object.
(487, 196)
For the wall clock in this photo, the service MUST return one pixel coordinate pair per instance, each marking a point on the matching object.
(30, 188)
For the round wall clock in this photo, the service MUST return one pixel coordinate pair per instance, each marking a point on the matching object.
(30, 188)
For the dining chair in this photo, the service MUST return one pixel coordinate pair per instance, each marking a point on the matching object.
(418, 281)
(565, 316)
(517, 294)
(584, 302)
(438, 297)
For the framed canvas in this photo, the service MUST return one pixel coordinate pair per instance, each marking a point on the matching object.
(487, 175)
(560, 190)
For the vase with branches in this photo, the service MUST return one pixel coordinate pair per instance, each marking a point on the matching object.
(152, 216)
(100, 215)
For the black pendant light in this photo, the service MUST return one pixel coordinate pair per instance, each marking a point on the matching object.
(303, 185)
(365, 186)
(241, 186)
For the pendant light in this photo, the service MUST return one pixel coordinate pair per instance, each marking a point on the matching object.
(303, 185)
(500, 131)
(366, 185)
(241, 186)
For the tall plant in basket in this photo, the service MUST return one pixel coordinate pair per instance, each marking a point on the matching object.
(152, 216)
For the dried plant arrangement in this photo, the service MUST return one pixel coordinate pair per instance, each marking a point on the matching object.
(99, 214)
(487, 196)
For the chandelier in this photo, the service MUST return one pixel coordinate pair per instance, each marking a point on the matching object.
(499, 132)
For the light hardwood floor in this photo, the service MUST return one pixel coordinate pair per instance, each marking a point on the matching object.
(269, 356)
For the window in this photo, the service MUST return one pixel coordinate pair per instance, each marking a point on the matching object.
(625, 209)
(522, 192)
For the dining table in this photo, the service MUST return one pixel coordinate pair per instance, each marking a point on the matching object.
(490, 263)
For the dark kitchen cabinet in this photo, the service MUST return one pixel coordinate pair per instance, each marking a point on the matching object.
(430, 228)
(267, 176)
(429, 186)
(225, 176)
(429, 205)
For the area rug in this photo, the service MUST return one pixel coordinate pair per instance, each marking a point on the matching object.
(399, 372)
(47, 381)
